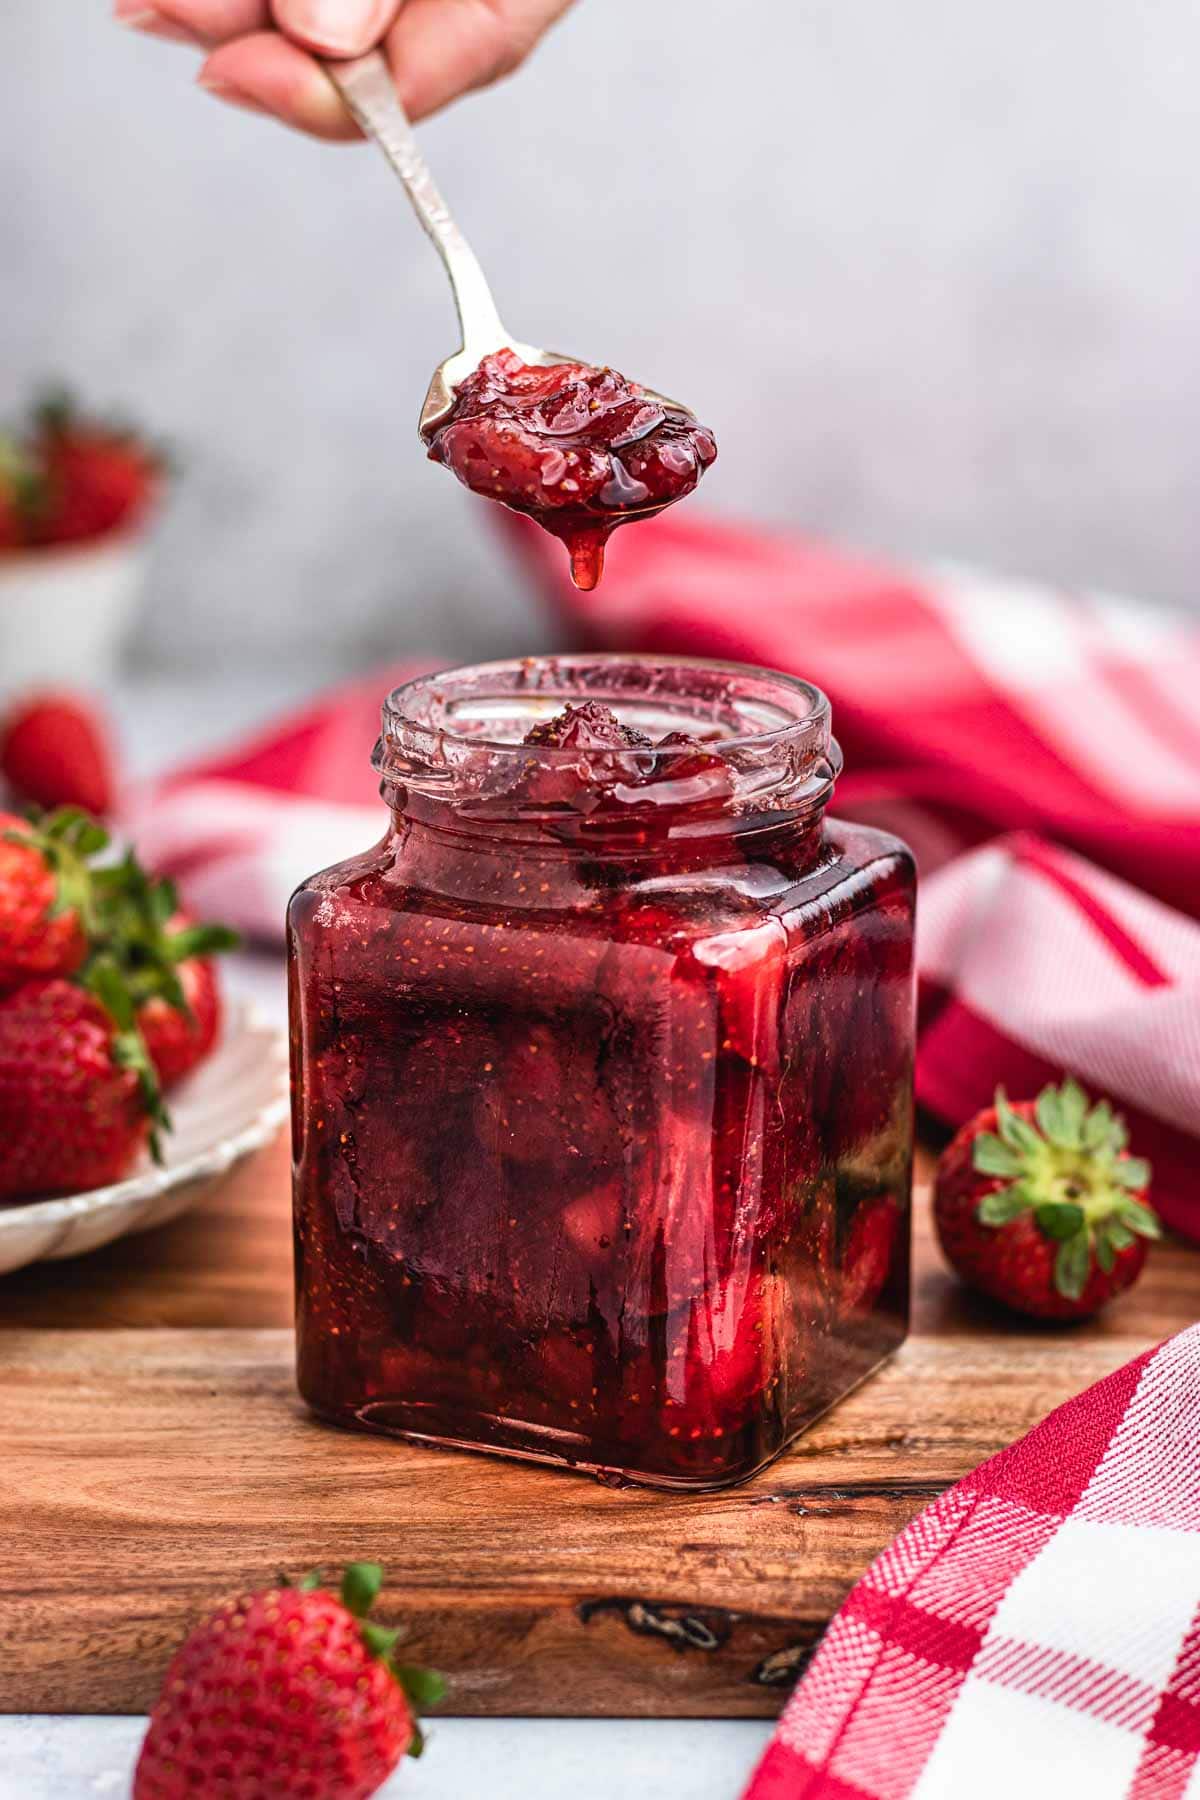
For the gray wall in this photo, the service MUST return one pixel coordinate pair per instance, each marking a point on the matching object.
(931, 271)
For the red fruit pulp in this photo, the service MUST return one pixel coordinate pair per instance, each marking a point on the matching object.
(574, 1176)
(590, 726)
(580, 449)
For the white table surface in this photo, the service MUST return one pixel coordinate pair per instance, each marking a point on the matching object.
(495, 1759)
(68, 1758)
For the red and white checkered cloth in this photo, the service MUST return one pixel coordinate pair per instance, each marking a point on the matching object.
(1035, 1633)
(966, 704)
(1008, 732)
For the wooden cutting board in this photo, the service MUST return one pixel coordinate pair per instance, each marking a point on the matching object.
(154, 1457)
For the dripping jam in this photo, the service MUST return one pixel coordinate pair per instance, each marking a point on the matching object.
(579, 449)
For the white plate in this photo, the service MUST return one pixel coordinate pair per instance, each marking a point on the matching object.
(233, 1104)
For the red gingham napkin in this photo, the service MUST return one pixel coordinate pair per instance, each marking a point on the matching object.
(974, 714)
(966, 704)
(1035, 1633)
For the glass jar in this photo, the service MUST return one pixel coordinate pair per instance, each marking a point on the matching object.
(603, 1078)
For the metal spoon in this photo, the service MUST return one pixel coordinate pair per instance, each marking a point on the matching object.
(366, 86)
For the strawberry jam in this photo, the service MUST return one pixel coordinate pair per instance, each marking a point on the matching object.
(602, 1075)
(581, 450)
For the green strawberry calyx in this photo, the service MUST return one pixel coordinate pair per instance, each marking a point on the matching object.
(22, 482)
(135, 913)
(134, 946)
(135, 957)
(66, 841)
(360, 1588)
(1069, 1166)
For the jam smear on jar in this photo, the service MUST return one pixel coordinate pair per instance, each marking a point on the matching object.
(580, 449)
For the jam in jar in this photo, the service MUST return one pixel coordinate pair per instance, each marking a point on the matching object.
(602, 1067)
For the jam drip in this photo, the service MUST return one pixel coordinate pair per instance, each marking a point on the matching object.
(580, 449)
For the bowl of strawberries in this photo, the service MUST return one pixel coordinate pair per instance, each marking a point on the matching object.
(126, 1085)
(77, 497)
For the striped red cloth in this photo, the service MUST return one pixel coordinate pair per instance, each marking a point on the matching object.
(1008, 732)
(1033, 1633)
(966, 705)
(1039, 750)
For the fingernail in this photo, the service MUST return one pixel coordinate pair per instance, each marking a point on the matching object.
(323, 22)
(137, 16)
(232, 96)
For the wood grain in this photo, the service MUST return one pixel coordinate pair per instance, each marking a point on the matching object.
(155, 1457)
(148, 1472)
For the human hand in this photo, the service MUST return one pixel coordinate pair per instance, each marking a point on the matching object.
(262, 53)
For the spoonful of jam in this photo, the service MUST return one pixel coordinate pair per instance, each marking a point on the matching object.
(578, 448)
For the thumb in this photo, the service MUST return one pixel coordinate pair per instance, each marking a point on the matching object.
(335, 27)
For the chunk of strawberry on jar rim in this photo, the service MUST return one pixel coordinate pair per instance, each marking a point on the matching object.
(574, 756)
(590, 725)
(691, 772)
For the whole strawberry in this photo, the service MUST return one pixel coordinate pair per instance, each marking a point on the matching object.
(77, 1097)
(54, 751)
(284, 1693)
(97, 477)
(45, 895)
(1040, 1205)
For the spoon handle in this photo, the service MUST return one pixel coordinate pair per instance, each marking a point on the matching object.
(366, 86)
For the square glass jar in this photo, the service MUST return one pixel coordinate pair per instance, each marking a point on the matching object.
(602, 1060)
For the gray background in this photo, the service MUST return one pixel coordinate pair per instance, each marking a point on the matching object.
(931, 271)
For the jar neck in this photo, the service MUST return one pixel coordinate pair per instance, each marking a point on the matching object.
(679, 843)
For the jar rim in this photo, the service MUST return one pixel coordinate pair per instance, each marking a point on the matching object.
(771, 730)
(549, 677)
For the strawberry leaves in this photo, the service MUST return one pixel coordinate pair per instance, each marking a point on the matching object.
(135, 948)
(1073, 1265)
(1003, 1206)
(361, 1586)
(66, 841)
(1059, 1219)
(1070, 1169)
(993, 1156)
(1061, 1113)
(103, 978)
(135, 913)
